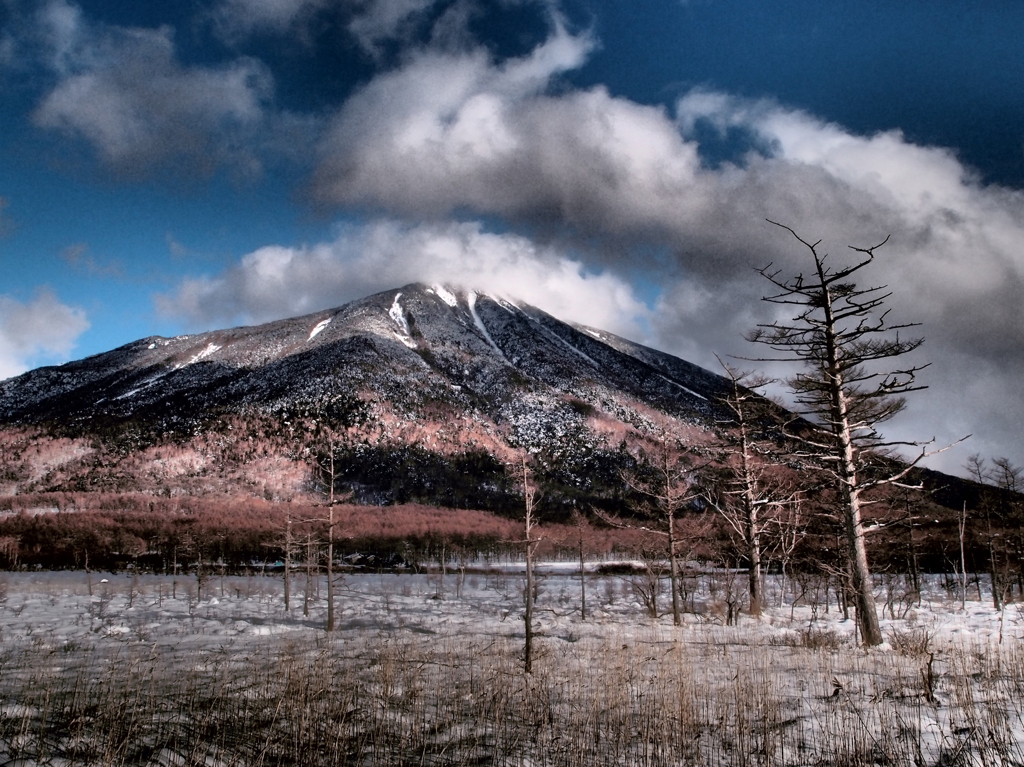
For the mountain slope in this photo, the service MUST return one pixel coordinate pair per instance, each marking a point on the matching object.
(407, 347)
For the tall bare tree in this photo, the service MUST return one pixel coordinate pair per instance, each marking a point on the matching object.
(841, 336)
(329, 424)
(530, 494)
(328, 472)
(668, 486)
(755, 490)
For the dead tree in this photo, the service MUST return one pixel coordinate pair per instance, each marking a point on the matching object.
(786, 530)
(530, 542)
(287, 561)
(842, 338)
(327, 473)
(287, 545)
(1005, 476)
(581, 537)
(329, 423)
(754, 490)
(668, 487)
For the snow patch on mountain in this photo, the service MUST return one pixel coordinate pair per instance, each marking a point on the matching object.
(210, 349)
(397, 313)
(145, 385)
(691, 392)
(318, 329)
(471, 303)
(445, 295)
(206, 352)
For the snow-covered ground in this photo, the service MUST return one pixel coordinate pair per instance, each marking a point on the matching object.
(427, 669)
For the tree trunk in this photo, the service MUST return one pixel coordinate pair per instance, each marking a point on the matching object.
(863, 589)
(330, 548)
(993, 570)
(677, 618)
(583, 583)
(528, 494)
(287, 563)
(752, 531)
(963, 558)
(309, 575)
(867, 616)
(528, 617)
(754, 578)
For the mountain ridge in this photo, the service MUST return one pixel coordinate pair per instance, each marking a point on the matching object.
(467, 340)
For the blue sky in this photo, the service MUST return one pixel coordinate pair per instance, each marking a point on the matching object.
(172, 167)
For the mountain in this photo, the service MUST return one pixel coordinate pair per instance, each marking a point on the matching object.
(424, 394)
(409, 347)
(436, 371)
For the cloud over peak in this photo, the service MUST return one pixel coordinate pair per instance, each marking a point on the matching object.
(278, 281)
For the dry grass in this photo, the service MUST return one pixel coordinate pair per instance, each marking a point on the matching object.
(395, 688)
(656, 697)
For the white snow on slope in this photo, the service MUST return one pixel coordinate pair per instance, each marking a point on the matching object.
(397, 313)
(567, 345)
(688, 391)
(445, 295)
(471, 302)
(319, 327)
(145, 385)
(210, 349)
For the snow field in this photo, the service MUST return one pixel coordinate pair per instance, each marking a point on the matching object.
(427, 669)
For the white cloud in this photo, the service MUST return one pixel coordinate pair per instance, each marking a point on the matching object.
(235, 19)
(277, 281)
(43, 329)
(378, 21)
(370, 22)
(124, 92)
(459, 131)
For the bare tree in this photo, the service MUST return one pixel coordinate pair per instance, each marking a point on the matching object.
(329, 422)
(754, 489)
(326, 468)
(980, 473)
(668, 487)
(842, 337)
(582, 539)
(287, 560)
(787, 528)
(1005, 476)
(530, 499)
